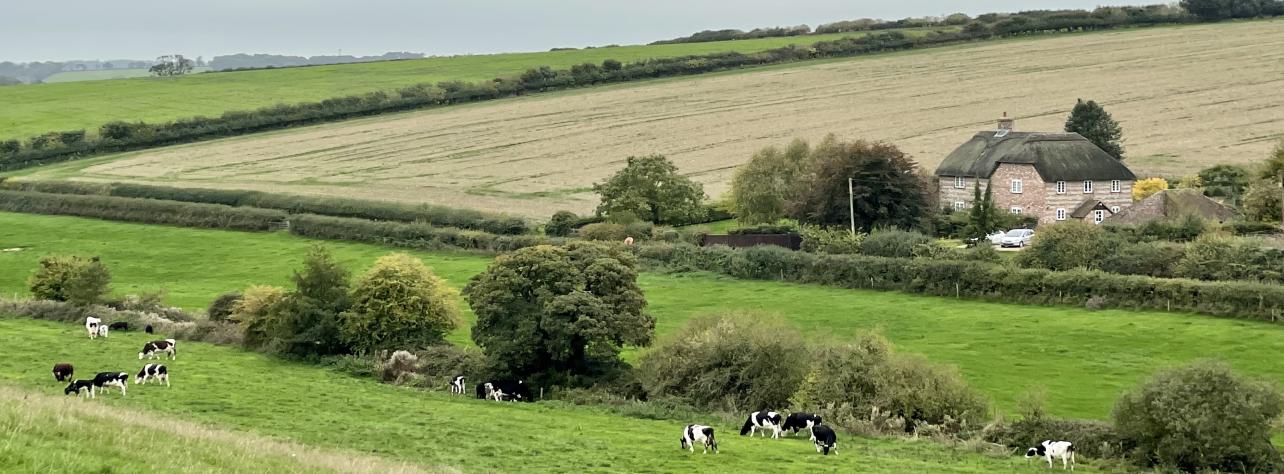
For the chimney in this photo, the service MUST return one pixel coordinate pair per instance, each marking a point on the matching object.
(1006, 124)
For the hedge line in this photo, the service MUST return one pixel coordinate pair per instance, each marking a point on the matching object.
(294, 204)
(977, 280)
(141, 210)
(412, 235)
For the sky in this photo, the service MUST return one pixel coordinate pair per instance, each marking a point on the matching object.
(141, 29)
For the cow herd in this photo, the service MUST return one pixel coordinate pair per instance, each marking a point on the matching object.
(765, 420)
(65, 372)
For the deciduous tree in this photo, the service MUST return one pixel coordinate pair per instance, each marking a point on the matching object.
(398, 304)
(650, 188)
(76, 280)
(886, 189)
(306, 323)
(761, 188)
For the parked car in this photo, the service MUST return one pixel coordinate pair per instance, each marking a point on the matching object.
(1017, 238)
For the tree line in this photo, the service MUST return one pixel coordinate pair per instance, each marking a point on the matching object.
(243, 61)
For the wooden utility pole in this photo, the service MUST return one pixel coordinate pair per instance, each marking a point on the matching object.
(851, 204)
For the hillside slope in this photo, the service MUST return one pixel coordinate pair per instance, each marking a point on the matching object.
(30, 110)
(1186, 97)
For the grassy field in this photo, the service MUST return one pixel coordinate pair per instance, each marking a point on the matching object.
(104, 74)
(31, 110)
(1002, 349)
(324, 409)
(46, 432)
(1212, 99)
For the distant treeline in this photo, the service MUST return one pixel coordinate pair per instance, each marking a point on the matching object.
(122, 136)
(1032, 20)
(236, 62)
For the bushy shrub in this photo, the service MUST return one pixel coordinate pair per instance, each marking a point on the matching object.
(254, 310)
(1201, 418)
(410, 235)
(306, 322)
(640, 231)
(732, 361)
(816, 239)
(398, 304)
(602, 231)
(561, 224)
(1066, 245)
(866, 379)
(1213, 257)
(1091, 438)
(223, 306)
(1156, 259)
(400, 368)
(77, 280)
(893, 243)
(441, 363)
(140, 210)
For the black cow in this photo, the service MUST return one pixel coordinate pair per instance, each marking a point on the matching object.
(119, 326)
(151, 372)
(826, 440)
(801, 421)
(155, 349)
(63, 372)
(111, 379)
(762, 420)
(148, 329)
(80, 386)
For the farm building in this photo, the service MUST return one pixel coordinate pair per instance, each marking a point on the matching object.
(1052, 176)
(1174, 203)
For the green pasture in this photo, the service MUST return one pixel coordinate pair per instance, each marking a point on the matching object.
(104, 74)
(236, 390)
(1082, 359)
(35, 109)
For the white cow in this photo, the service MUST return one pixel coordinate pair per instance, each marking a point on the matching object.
(1054, 449)
(92, 324)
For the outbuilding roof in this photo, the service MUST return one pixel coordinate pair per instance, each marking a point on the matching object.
(1174, 203)
(1056, 156)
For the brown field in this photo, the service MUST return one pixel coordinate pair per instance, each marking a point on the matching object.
(1187, 97)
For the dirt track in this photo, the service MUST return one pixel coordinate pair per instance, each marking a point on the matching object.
(1186, 97)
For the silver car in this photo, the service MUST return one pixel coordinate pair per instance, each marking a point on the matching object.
(1017, 238)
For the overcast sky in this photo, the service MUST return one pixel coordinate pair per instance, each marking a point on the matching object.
(140, 29)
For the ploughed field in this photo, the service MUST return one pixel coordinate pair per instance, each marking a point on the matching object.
(1082, 359)
(35, 109)
(1187, 97)
(313, 411)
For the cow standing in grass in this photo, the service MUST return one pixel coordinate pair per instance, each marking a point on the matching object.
(457, 385)
(91, 325)
(801, 421)
(63, 372)
(762, 420)
(825, 439)
(693, 434)
(1049, 450)
(155, 349)
(151, 372)
(80, 387)
(110, 379)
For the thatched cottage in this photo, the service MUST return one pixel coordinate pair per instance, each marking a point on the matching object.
(1053, 176)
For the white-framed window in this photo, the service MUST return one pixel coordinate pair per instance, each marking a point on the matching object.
(1061, 187)
(1015, 210)
(1016, 186)
(958, 182)
(1098, 216)
(1114, 209)
(1061, 214)
(1087, 187)
(959, 205)
(1115, 186)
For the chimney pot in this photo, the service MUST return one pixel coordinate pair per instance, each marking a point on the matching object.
(1006, 123)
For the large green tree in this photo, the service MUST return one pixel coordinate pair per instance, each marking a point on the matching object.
(559, 315)
(1094, 123)
(398, 304)
(650, 188)
(886, 189)
(306, 323)
(1226, 181)
(761, 188)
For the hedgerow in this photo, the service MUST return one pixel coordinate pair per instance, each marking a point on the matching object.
(141, 210)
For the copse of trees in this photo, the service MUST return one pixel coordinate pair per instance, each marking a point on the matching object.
(884, 187)
(732, 34)
(1093, 122)
(305, 323)
(650, 188)
(762, 188)
(559, 315)
(1213, 10)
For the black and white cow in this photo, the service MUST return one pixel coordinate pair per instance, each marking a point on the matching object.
(79, 387)
(63, 372)
(119, 326)
(1054, 449)
(504, 391)
(150, 372)
(155, 349)
(825, 439)
(801, 421)
(457, 385)
(762, 420)
(111, 379)
(693, 434)
(91, 325)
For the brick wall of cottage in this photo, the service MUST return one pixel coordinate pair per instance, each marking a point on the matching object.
(1074, 196)
(1031, 198)
(951, 194)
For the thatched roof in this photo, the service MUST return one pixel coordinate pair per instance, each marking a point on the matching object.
(1056, 156)
(1174, 203)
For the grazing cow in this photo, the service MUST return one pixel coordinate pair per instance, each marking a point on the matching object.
(825, 439)
(512, 391)
(150, 372)
(102, 330)
(119, 326)
(457, 385)
(63, 372)
(761, 420)
(1054, 449)
(801, 421)
(148, 329)
(80, 386)
(111, 379)
(693, 434)
(154, 349)
(91, 325)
